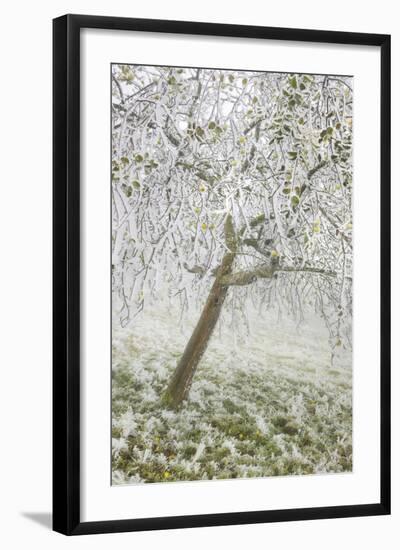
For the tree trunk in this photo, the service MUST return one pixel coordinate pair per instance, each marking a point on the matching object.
(182, 377)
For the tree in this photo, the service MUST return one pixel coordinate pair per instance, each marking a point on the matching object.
(230, 186)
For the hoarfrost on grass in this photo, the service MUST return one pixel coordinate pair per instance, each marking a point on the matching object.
(261, 410)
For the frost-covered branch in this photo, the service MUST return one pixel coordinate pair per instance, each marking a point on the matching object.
(242, 278)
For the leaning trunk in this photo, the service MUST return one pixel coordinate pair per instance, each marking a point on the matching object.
(181, 381)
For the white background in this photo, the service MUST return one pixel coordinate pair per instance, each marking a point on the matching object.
(26, 276)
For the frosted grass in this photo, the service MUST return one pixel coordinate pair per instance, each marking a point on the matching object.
(269, 405)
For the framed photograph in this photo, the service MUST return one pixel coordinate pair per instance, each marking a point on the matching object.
(221, 274)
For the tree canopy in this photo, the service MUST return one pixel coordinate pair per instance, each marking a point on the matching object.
(204, 160)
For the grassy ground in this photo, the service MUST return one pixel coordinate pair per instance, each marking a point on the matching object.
(272, 407)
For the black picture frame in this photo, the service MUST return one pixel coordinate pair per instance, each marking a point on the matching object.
(66, 273)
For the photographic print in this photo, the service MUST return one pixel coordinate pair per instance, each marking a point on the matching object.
(231, 269)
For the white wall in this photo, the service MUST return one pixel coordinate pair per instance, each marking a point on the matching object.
(25, 290)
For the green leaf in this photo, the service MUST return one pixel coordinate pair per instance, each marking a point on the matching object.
(138, 158)
(286, 190)
(244, 81)
(294, 201)
(211, 125)
(127, 74)
(293, 81)
(292, 155)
